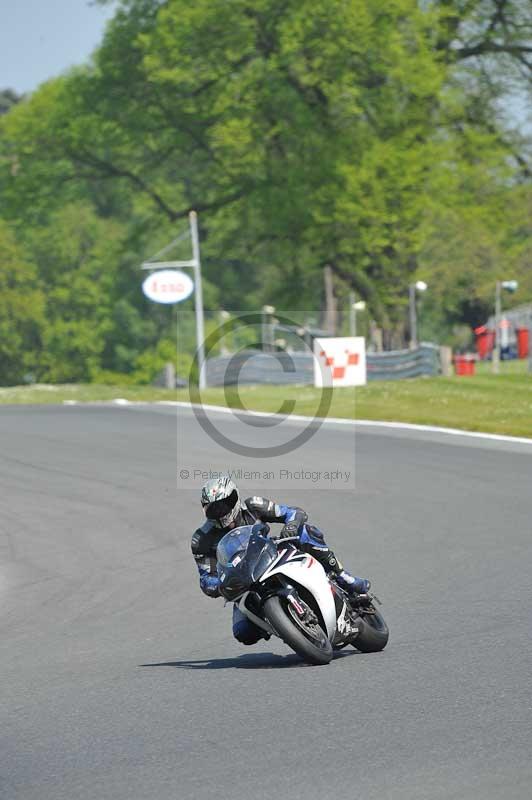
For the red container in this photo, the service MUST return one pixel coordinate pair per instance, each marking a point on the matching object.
(523, 342)
(464, 365)
(484, 341)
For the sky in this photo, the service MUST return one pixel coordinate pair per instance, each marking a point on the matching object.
(39, 39)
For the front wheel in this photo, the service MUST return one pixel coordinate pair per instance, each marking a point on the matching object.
(373, 632)
(308, 641)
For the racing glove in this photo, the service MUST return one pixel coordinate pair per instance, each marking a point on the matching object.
(290, 529)
(210, 585)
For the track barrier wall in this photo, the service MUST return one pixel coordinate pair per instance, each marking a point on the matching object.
(256, 367)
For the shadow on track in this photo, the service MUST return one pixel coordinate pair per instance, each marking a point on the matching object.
(246, 661)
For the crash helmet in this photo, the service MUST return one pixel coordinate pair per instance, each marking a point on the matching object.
(221, 501)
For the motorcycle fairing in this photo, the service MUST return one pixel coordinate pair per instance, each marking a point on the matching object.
(258, 621)
(304, 570)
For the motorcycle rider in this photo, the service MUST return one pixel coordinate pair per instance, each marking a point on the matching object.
(224, 511)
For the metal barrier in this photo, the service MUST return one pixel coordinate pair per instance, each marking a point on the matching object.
(396, 364)
(256, 367)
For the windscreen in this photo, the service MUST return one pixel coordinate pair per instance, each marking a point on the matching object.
(232, 543)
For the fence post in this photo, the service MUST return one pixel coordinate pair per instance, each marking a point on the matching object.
(446, 361)
(169, 375)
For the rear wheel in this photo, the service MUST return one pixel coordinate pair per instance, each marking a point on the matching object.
(307, 639)
(373, 632)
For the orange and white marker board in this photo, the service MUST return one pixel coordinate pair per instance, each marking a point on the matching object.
(340, 361)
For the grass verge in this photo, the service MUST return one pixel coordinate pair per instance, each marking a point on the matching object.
(485, 402)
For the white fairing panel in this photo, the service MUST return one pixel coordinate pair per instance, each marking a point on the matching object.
(241, 604)
(310, 574)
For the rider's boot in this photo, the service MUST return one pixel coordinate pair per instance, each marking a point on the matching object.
(244, 630)
(350, 583)
(312, 541)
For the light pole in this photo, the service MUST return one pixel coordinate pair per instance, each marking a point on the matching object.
(267, 312)
(195, 264)
(418, 286)
(354, 306)
(510, 286)
(200, 329)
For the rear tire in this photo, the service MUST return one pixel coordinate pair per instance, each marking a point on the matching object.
(374, 633)
(312, 651)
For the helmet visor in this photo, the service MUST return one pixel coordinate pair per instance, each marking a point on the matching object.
(220, 508)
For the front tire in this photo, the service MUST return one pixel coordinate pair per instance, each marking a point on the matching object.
(316, 650)
(373, 632)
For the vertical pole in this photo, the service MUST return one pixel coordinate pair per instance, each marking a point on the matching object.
(225, 344)
(497, 349)
(198, 295)
(330, 301)
(307, 336)
(352, 315)
(413, 319)
(264, 332)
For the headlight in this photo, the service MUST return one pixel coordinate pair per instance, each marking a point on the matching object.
(232, 587)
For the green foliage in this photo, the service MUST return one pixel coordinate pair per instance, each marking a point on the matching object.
(8, 98)
(72, 252)
(150, 364)
(21, 311)
(356, 133)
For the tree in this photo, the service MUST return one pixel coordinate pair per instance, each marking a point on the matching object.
(306, 132)
(79, 256)
(287, 114)
(8, 98)
(21, 311)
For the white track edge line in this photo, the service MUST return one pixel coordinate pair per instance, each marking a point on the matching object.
(407, 426)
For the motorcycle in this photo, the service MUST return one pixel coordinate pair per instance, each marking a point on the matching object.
(288, 594)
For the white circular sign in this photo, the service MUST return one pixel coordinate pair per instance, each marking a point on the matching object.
(167, 286)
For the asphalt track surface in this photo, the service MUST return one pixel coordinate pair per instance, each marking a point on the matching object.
(121, 680)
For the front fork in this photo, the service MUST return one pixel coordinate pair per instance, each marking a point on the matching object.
(251, 603)
(303, 612)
